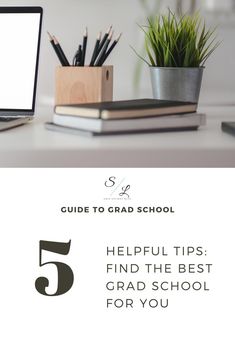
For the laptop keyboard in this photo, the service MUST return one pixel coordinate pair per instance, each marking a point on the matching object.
(7, 119)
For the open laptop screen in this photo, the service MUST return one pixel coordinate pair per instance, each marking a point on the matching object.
(20, 29)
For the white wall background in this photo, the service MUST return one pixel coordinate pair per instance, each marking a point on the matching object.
(68, 18)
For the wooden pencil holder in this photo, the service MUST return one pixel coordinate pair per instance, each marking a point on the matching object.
(86, 84)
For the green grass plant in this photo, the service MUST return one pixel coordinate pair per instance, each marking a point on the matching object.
(178, 42)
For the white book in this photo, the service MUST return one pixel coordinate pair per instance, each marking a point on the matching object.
(169, 122)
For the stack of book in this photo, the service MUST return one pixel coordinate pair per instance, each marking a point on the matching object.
(133, 116)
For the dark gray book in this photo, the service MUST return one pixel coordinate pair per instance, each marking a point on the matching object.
(126, 109)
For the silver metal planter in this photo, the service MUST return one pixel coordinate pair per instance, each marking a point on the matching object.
(178, 84)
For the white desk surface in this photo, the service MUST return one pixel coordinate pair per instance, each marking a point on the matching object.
(32, 145)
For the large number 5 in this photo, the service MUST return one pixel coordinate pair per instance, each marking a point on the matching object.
(65, 274)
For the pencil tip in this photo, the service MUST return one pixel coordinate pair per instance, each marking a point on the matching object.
(110, 35)
(109, 29)
(118, 38)
(49, 35)
(55, 40)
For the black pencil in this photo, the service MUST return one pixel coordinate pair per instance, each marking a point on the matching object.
(55, 48)
(103, 41)
(85, 37)
(103, 51)
(94, 55)
(79, 58)
(60, 52)
(111, 49)
(51, 40)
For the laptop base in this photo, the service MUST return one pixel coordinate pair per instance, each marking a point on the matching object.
(10, 123)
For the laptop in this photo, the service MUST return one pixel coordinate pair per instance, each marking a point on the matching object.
(20, 33)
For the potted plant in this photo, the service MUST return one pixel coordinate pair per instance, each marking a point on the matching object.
(177, 49)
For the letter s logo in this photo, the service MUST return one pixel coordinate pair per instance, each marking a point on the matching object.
(110, 183)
